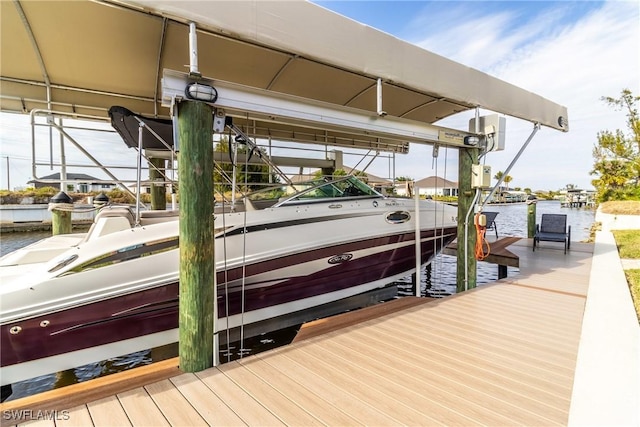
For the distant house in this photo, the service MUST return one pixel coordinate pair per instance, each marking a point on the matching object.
(431, 186)
(145, 187)
(75, 183)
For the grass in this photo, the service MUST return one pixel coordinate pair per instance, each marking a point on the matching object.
(633, 277)
(628, 242)
(621, 207)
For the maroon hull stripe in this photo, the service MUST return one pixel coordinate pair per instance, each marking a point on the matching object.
(156, 309)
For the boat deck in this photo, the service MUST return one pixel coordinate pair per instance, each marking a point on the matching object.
(501, 354)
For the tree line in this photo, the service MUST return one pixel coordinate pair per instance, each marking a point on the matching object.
(616, 155)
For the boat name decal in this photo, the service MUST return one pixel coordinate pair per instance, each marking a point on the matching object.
(338, 259)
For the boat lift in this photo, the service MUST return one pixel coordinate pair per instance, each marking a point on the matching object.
(306, 86)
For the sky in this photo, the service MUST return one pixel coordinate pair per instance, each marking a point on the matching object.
(570, 52)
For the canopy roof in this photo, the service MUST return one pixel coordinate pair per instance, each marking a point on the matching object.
(84, 57)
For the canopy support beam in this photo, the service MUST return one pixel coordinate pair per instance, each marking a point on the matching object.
(274, 107)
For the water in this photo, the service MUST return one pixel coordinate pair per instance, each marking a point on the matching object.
(510, 221)
(9, 242)
(439, 282)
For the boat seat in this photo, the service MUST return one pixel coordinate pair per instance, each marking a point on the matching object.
(109, 220)
(553, 228)
(155, 217)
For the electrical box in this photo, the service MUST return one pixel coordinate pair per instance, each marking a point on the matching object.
(480, 176)
(493, 127)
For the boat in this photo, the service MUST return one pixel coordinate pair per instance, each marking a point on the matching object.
(73, 299)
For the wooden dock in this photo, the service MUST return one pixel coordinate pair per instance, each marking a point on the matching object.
(498, 253)
(501, 354)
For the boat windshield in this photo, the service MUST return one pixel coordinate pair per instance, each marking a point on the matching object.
(318, 190)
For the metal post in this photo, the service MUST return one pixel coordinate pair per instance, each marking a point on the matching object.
(139, 172)
(8, 177)
(418, 277)
(536, 127)
(193, 49)
(63, 163)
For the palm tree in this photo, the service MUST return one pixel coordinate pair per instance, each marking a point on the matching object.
(507, 179)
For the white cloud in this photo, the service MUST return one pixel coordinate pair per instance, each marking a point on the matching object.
(572, 62)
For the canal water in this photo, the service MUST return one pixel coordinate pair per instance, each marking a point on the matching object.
(510, 221)
(439, 282)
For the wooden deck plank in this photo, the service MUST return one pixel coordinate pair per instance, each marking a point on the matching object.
(297, 393)
(108, 412)
(503, 310)
(328, 324)
(495, 405)
(240, 402)
(39, 423)
(387, 396)
(77, 417)
(210, 407)
(498, 252)
(141, 409)
(81, 393)
(497, 382)
(325, 388)
(173, 404)
(529, 333)
(544, 316)
(467, 360)
(449, 345)
(288, 411)
(483, 340)
(398, 390)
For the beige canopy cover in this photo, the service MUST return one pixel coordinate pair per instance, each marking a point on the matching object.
(84, 57)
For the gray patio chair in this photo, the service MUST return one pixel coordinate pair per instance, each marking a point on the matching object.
(491, 225)
(553, 228)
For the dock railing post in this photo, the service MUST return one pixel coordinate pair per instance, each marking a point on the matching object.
(197, 250)
(466, 261)
(418, 234)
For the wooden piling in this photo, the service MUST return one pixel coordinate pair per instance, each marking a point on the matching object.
(466, 158)
(158, 192)
(531, 219)
(60, 206)
(197, 255)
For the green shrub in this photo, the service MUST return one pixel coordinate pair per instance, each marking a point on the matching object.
(628, 192)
